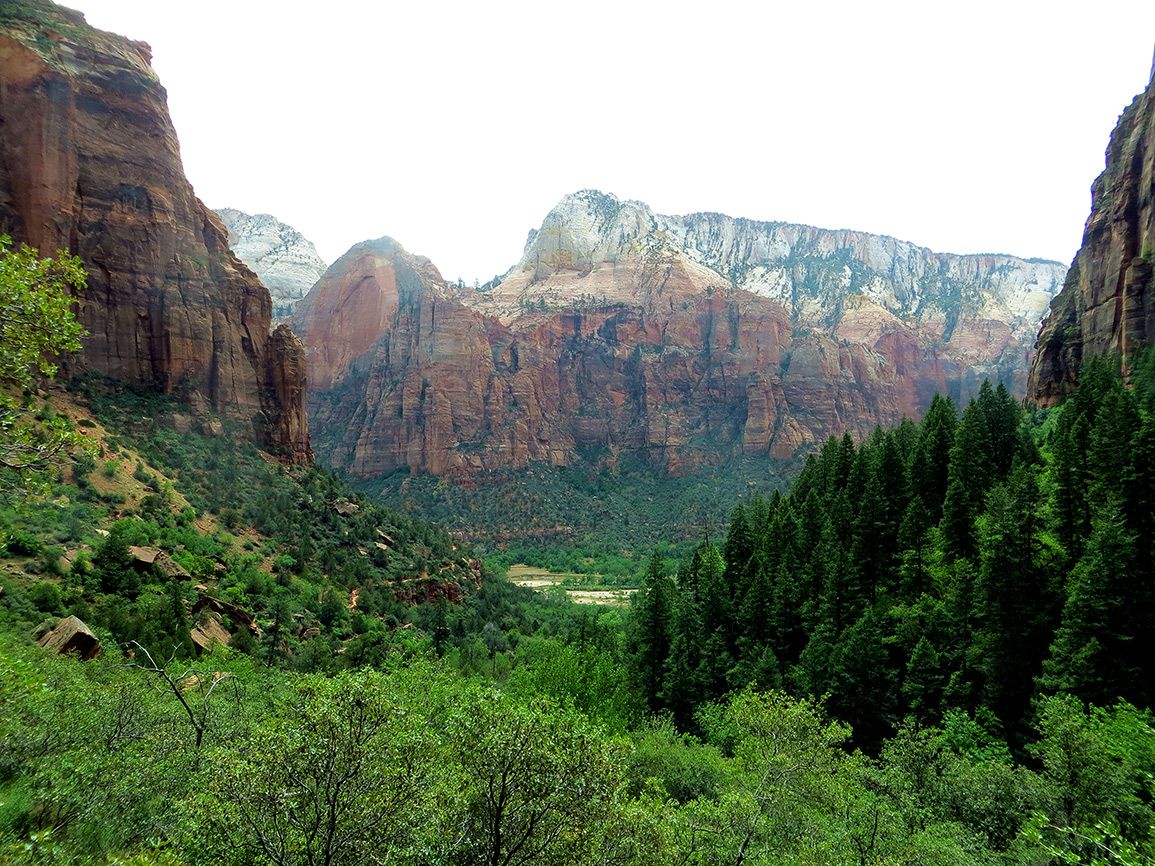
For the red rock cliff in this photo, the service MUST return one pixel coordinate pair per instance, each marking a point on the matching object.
(687, 373)
(89, 162)
(1108, 301)
(678, 340)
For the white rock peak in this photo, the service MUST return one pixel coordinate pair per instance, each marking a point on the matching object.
(284, 259)
(810, 270)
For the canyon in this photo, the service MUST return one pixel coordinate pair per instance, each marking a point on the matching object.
(621, 333)
(679, 341)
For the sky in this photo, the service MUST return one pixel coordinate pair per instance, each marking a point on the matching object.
(454, 127)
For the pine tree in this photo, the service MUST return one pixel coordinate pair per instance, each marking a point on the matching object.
(738, 553)
(1072, 470)
(1109, 447)
(923, 684)
(969, 477)
(714, 592)
(930, 460)
(1012, 602)
(862, 683)
(113, 565)
(915, 550)
(960, 653)
(1092, 656)
(652, 627)
(844, 593)
(1003, 416)
(756, 613)
(714, 667)
(813, 673)
(680, 692)
(1139, 516)
(878, 517)
(786, 567)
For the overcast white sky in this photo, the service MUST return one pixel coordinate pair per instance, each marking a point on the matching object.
(455, 127)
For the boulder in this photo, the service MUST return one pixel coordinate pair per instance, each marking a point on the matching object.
(71, 635)
(209, 632)
(236, 614)
(168, 568)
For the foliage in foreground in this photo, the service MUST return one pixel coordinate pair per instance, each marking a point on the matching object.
(36, 325)
(416, 765)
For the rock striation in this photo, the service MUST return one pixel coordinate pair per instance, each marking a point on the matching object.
(89, 162)
(977, 312)
(1108, 301)
(678, 340)
(284, 259)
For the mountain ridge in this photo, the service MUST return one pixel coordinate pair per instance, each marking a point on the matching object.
(614, 336)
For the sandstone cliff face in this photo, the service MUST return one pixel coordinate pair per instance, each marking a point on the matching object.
(979, 313)
(409, 375)
(89, 162)
(284, 259)
(680, 340)
(1108, 302)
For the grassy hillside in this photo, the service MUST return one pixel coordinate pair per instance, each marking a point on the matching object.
(324, 574)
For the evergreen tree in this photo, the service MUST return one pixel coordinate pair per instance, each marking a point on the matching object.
(738, 554)
(652, 623)
(930, 460)
(171, 625)
(756, 614)
(914, 545)
(878, 517)
(787, 569)
(1092, 654)
(714, 667)
(1109, 447)
(1013, 602)
(862, 683)
(714, 592)
(813, 674)
(1139, 516)
(1069, 471)
(959, 654)
(680, 692)
(922, 686)
(113, 565)
(1072, 471)
(844, 594)
(968, 478)
(1003, 414)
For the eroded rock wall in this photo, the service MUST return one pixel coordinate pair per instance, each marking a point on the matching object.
(89, 162)
(1108, 302)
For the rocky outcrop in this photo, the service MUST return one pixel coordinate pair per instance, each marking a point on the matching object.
(1108, 302)
(89, 162)
(71, 636)
(286, 420)
(284, 259)
(678, 340)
